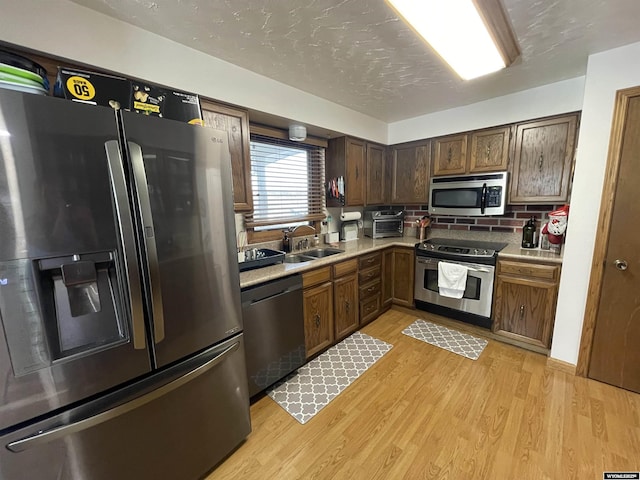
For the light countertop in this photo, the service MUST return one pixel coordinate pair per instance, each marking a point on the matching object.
(516, 252)
(365, 245)
(351, 249)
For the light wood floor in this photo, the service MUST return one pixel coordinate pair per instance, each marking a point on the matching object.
(421, 412)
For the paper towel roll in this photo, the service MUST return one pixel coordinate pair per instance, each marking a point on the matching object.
(346, 216)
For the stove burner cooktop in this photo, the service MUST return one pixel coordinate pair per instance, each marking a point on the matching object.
(461, 248)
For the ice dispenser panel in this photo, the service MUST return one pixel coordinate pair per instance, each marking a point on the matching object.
(70, 306)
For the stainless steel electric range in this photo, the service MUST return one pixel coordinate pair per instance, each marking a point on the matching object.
(480, 260)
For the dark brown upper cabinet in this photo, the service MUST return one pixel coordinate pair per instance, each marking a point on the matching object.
(542, 163)
(235, 122)
(377, 175)
(475, 152)
(363, 165)
(450, 155)
(410, 173)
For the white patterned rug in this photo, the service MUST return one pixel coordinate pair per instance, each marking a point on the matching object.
(452, 340)
(305, 393)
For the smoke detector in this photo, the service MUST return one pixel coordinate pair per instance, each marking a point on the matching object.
(297, 133)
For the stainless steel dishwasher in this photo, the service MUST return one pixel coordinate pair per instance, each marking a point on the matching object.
(273, 331)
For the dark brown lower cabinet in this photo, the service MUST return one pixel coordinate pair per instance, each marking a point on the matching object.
(403, 275)
(525, 301)
(318, 310)
(387, 279)
(345, 298)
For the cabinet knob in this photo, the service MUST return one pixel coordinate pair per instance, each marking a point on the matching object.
(488, 152)
(449, 154)
(317, 318)
(540, 161)
(346, 305)
(521, 311)
(621, 264)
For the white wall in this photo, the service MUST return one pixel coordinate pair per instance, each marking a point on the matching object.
(68, 30)
(555, 98)
(607, 72)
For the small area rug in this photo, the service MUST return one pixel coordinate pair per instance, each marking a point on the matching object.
(314, 385)
(452, 340)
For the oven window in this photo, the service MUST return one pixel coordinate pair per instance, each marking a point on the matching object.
(473, 284)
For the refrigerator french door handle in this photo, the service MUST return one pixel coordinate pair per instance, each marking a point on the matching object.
(137, 161)
(47, 436)
(127, 240)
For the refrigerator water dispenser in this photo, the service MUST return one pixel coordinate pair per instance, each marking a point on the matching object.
(79, 292)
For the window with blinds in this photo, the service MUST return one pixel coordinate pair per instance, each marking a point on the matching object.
(287, 180)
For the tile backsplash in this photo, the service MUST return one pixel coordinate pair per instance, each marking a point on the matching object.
(512, 221)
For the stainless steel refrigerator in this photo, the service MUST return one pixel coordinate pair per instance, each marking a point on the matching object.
(121, 347)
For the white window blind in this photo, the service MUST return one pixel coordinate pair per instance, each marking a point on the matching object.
(287, 180)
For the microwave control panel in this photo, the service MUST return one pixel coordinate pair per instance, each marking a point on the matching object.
(494, 196)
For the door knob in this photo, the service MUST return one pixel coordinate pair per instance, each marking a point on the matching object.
(621, 264)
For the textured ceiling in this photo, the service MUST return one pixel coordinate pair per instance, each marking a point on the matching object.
(358, 54)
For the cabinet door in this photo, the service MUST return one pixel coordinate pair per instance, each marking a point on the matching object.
(376, 177)
(410, 174)
(450, 155)
(543, 160)
(489, 150)
(345, 293)
(403, 271)
(318, 318)
(355, 173)
(524, 309)
(236, 123)
(387, 278)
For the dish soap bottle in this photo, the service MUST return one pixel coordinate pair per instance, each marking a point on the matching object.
(529, 234)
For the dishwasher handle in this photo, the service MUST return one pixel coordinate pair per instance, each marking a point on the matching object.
(271, 290)
(253, 301)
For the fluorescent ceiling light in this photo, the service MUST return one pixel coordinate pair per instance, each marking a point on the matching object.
(459, 33)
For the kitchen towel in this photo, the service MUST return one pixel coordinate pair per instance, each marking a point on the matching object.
(452, 279)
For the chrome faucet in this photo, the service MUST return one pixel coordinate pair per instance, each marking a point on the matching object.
(308, 230)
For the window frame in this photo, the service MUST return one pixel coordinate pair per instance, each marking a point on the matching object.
(270, 133)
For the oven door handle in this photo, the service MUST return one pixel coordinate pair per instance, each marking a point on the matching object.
(432, 261)
(480, 270)
(483, 198)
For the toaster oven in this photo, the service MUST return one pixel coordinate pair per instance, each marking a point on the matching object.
(384, 223)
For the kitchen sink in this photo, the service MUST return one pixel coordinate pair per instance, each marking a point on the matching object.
(322, 252)
(297, 258)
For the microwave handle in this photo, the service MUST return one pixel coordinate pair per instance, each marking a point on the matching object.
(483, 198)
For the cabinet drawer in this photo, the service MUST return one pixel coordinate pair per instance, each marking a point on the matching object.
(368, 261)
(369, 275)
(315, 277)
(369, 309)
(342, 268)
(546, 272)
(369, 290)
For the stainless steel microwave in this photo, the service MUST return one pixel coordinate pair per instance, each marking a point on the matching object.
(472, 195)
